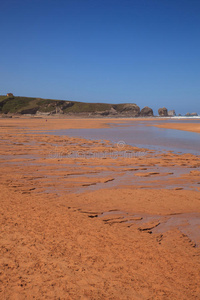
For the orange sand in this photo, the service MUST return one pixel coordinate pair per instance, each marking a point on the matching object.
(53, 246)
(181, 126)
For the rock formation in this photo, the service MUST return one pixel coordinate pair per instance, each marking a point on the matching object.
(163, 112)
(31, 111)
(29, 105)
(192, 114)
(128, 109)
(171, 113)
(146, 112)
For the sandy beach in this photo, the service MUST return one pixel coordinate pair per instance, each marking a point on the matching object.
(182, 126)
(91, 219)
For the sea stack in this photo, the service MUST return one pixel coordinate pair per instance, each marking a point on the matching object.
(171, 113)
(163, 112)
(146, 112)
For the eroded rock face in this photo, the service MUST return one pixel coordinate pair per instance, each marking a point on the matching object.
(110, 112)
(131, 109)
(42, 113)
(104, 113)
(146, 112)
(31, 111)
(163, 112)
(171, 113)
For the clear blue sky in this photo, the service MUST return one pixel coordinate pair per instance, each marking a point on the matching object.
(136, 51)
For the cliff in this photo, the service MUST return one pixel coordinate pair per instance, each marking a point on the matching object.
(38, 106)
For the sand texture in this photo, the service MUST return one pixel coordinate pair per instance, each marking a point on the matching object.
(76, 224)
(181, 126)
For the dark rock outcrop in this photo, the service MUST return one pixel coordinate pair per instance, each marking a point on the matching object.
(128, 109)
(171, 113)
(163, 112)
(146, 112)
(31, 111)
(110, 112)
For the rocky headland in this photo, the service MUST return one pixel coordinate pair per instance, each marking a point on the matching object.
(16, 105)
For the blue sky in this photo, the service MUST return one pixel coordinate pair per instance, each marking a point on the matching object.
(135, 51)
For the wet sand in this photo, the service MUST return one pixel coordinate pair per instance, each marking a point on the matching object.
(75, 225)
(181, 126)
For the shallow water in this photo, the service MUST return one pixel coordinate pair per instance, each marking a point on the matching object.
(140, 134)
(187, 223)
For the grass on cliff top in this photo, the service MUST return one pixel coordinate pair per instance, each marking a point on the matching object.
(79, 107)
(16, 104)
(3, 98)
(20, 104)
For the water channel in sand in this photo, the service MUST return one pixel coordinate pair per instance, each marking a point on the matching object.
(187, 223)
(143, 134)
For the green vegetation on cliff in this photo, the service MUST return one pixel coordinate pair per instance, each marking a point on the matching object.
(79, 107)
(27, 105)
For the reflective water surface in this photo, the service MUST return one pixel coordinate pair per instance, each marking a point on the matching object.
(143, 134)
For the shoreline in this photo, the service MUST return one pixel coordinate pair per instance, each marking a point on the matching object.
(76, 122)
(181, 126)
